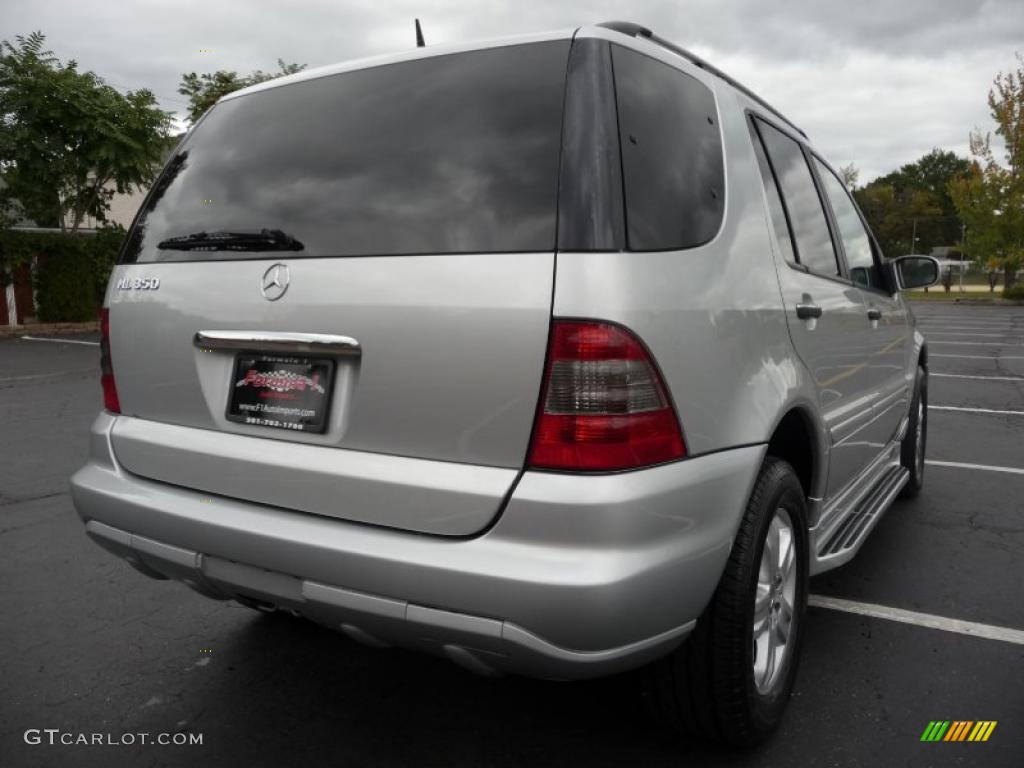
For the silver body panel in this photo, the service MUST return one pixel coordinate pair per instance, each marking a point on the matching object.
(451, 358)
(587, 565)
(421, 322)
(411, 519)
(861, 372)
(397, 491)
(834, 349)
(413, 54)
(891, 364)
(712, 316)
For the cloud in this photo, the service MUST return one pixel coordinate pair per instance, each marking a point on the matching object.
(874, 82)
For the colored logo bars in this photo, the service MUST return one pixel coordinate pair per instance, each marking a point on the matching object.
(958, 730)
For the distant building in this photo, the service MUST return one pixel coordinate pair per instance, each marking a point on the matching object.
(124, 206)
(122, 209)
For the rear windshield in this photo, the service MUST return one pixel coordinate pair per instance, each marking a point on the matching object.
(448, 154)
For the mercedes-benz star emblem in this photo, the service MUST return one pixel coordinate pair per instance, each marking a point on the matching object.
(275, 282)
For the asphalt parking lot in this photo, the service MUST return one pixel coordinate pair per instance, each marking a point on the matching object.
(88, 645)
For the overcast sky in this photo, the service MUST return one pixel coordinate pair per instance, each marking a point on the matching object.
(874, 82)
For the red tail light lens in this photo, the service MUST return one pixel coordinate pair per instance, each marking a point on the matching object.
(604, 405)
(110, 399)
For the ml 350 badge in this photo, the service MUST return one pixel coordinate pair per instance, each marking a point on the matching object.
(138, 284)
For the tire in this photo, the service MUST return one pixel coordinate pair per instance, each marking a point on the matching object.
(707, 687)
(915, 442)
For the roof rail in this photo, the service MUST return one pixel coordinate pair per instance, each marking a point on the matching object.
(636, 30)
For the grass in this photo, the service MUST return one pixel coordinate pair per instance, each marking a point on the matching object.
(939, 294)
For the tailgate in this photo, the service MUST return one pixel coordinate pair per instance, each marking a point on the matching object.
(336, 297)
(452, 352)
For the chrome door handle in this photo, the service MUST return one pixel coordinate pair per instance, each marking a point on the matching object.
(808, 311)
(272, 341)
(874, 314)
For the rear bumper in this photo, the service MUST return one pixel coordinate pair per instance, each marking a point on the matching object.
(580, 576)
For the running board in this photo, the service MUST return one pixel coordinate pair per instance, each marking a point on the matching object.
(841, 542)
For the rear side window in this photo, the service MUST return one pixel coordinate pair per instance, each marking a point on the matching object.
(775, 209)
(671, 148)
(810, 233)
(447, 154)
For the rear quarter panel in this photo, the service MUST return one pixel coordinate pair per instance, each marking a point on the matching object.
(712, 316)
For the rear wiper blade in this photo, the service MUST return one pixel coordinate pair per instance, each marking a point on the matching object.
(258, 240)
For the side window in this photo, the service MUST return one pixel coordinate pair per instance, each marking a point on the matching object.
(672, 164)
(775, 208)
(856, 242)
(814, 247)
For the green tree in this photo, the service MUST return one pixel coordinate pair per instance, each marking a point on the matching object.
(917, 191)
(204, 90)
(990, 198)
(68, 141)
(891, 213)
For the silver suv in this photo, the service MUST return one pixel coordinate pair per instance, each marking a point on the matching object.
(560, 355)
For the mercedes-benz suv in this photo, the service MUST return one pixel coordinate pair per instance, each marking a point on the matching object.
(562, 355)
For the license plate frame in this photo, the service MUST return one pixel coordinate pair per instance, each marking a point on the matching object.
(281, 392)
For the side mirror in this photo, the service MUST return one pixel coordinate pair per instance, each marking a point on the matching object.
(916, 272)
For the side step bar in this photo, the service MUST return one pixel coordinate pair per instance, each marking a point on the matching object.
(841, 542)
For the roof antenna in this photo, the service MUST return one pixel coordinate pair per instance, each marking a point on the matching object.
(419, 35)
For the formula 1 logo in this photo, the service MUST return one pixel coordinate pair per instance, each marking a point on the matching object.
(281, 381)
(958, 730)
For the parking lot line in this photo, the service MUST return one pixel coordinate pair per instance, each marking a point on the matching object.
(932, 374)
(929, 318)
(1010, 332)
(983, 357)
(1013, 332)
(978, 343)
(971, 628)
(958, 327)
(937, 320)
(60, 341)
(965, 465)
(973, 410)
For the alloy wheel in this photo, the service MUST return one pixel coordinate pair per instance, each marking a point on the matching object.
(774, 599)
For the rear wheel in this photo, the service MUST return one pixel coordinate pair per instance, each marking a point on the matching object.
(915, 442)
(730, 682)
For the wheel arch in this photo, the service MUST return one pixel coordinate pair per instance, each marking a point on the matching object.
(799, 439)
(920, 351)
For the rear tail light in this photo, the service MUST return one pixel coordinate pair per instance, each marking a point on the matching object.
(110, 399)
(603, 405)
